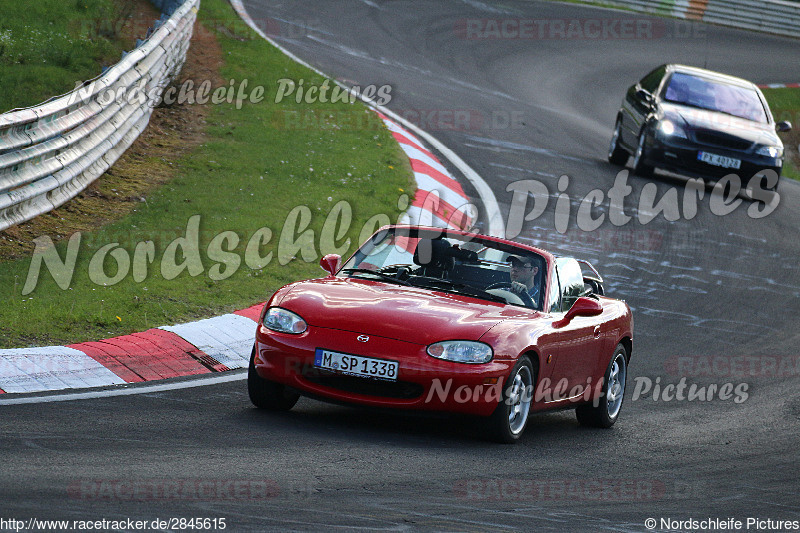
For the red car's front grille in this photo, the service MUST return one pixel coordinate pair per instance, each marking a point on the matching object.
(403, 390)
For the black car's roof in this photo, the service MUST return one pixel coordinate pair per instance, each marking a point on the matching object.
(717, 76)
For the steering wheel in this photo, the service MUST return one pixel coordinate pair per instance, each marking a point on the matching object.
(524, 296)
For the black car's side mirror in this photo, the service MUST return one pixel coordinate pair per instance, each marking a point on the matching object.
(783, 126)
(644, 95)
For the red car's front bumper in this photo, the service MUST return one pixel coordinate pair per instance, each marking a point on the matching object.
(423, 382)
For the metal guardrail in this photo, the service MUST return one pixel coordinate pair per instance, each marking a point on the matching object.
(770, 16)
(51, 152)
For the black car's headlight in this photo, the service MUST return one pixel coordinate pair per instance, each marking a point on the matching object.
(770, 151)
(278, 319)
(461, 351)
(669, 128)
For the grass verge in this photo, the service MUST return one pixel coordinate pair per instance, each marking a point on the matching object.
(260, 164)
(785, 105)
(48, 45)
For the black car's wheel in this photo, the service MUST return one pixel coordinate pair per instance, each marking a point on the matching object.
(774, 188)
(509, 419)
(640, 168)
(762, 181)
(616, 154)
(603, 412)
(267, 394)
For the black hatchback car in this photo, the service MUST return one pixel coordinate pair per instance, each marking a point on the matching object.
(688, 119)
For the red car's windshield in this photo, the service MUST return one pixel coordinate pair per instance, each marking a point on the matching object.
(454, 263)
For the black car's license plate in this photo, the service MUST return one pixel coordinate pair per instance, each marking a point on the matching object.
(719, 160)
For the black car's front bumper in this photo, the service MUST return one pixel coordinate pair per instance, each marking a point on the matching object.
(682, 156)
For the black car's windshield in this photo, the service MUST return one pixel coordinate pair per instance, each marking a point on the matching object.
(449, 262)
(704, 93)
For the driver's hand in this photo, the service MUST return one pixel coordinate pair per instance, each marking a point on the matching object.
(518, 288)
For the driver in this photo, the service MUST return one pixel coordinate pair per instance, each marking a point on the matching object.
(523, 277)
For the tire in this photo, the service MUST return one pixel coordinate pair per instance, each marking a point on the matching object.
(764, 179)
(266, 394)
(508, 421)
(616, 154)
(775, 188)
(640, 168)
(606, 412)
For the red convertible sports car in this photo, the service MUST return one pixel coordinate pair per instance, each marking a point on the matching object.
(446, 320)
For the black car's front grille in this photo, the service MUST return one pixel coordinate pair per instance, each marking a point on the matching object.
(722, 140)
(403, 390)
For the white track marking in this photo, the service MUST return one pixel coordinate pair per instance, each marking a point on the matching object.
(227, 338)
(132, 389)
(51, 368)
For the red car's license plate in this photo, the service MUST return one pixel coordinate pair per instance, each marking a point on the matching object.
(356, 365)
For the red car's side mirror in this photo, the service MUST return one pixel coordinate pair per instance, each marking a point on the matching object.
(583, 306)
(330, 263)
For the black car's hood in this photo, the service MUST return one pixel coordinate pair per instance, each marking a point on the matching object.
(701, 119)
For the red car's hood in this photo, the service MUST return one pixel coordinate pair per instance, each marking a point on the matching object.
(395, 311)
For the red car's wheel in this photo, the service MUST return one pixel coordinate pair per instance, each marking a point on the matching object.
(607, 408)
(510, 417)
(266, 394)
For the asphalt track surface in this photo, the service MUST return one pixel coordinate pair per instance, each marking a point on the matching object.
(712, 288)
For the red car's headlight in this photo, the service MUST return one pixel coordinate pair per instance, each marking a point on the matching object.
(278, 319)
(461, 351)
